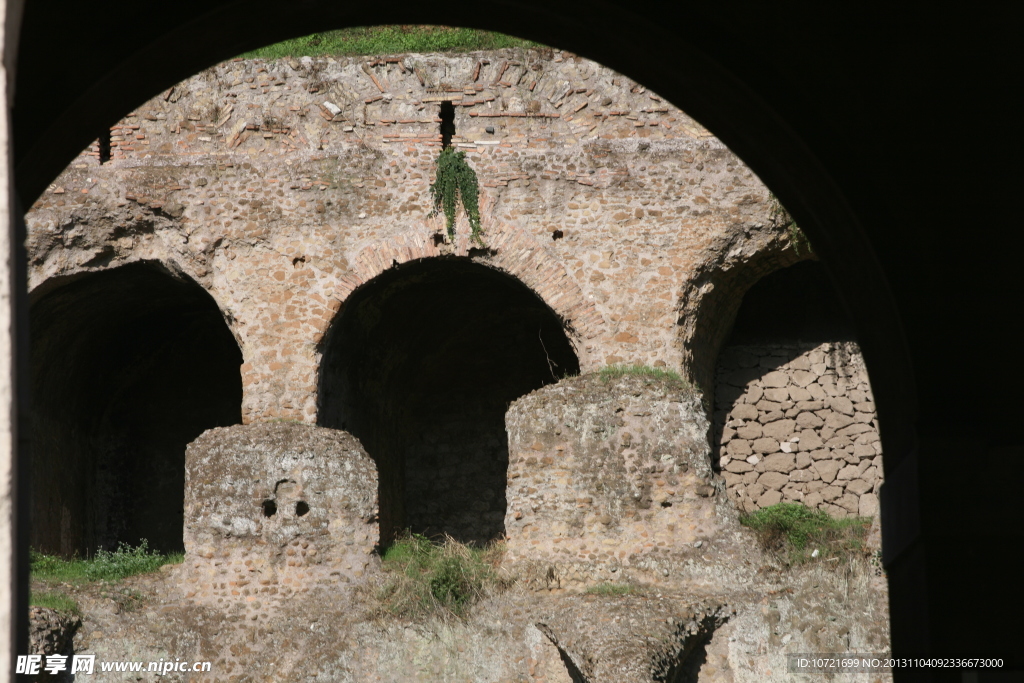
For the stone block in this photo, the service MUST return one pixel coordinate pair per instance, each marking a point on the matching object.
(842, 404)
(769, 498)
(780, 430)
(801, 362)
(837, 421)
(808, 420)
(831, 493)
(780, 462)
(849, 502)
(814, 485)
(777, 394)
(868, 505)
(847, 473)
(804, 378)
(732, 479)
(816, 392)
(739, 448)
(812, 500)
(753, 394)
(765, 445)
(750, 431)
(773, 480)
(798, 394)
(810, 441)
(750, 477)
(859, 487)
(863, 451)
(803, 459)
(743, 411)
(826, 469)
(821, 454)
(776, 379)
(755, 490)
(802, 475)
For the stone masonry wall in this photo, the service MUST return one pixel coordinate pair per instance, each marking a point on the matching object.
(275, 508)
(604, 475)
(797, 423)
(281, 186)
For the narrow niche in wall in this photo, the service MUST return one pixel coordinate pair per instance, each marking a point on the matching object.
(447, 116)
(794, 418)
(421, 366)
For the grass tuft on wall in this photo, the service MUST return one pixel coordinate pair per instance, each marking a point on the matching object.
(795, 534)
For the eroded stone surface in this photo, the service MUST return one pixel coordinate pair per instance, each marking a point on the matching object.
(274, 508)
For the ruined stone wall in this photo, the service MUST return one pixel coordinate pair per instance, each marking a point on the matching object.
(797, 423)
(606, 476)
(282, 186)
(274, 509)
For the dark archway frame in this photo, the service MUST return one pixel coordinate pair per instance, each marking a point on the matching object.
(842, 112)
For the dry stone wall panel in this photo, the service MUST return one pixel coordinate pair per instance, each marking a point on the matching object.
(281, 186)
(274, 508)
(601, 474)
(796, 423)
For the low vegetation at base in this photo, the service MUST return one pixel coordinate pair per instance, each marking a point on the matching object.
(795, 534)
(424, 579)
(54, 600)
(103, 566)
(614, 589)
(385, 40)
(615, 371)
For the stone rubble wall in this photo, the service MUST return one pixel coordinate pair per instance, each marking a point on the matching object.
(276, 508)
(797, 423)
(604, 473)
(281, 186)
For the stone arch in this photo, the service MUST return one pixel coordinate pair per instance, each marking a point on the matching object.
(128, 365)
(508, 249)
(712, 297)
(795, 418)
(421, 364)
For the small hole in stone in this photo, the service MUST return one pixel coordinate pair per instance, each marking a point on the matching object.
(438, 239)
(557, 235)
(301, 508)
(666, 504)
(269, 508)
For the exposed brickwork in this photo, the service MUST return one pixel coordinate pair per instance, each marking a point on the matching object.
(597, 194)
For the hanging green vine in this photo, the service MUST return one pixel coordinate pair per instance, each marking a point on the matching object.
(456, 180)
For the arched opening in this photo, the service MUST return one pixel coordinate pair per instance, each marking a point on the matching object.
(421, 365)
(795, 418)
(128, 366)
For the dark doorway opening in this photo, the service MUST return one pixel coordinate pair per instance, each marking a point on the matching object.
(128, 366)
(421, 366)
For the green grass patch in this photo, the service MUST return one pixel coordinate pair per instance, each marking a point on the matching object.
(614, 589)
(436, 579)
(615, 371)
(54, 600)
(796, 534)
(385, 40)
(103, 566)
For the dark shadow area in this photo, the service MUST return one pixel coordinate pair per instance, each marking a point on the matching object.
(128, 366)
(783, 315)
(794, 304)
(421, 365)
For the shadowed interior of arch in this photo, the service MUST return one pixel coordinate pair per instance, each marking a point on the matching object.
(421, 365)
(128, 366)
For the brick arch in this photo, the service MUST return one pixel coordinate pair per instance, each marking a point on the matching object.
(508, 249)
(712, 297)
